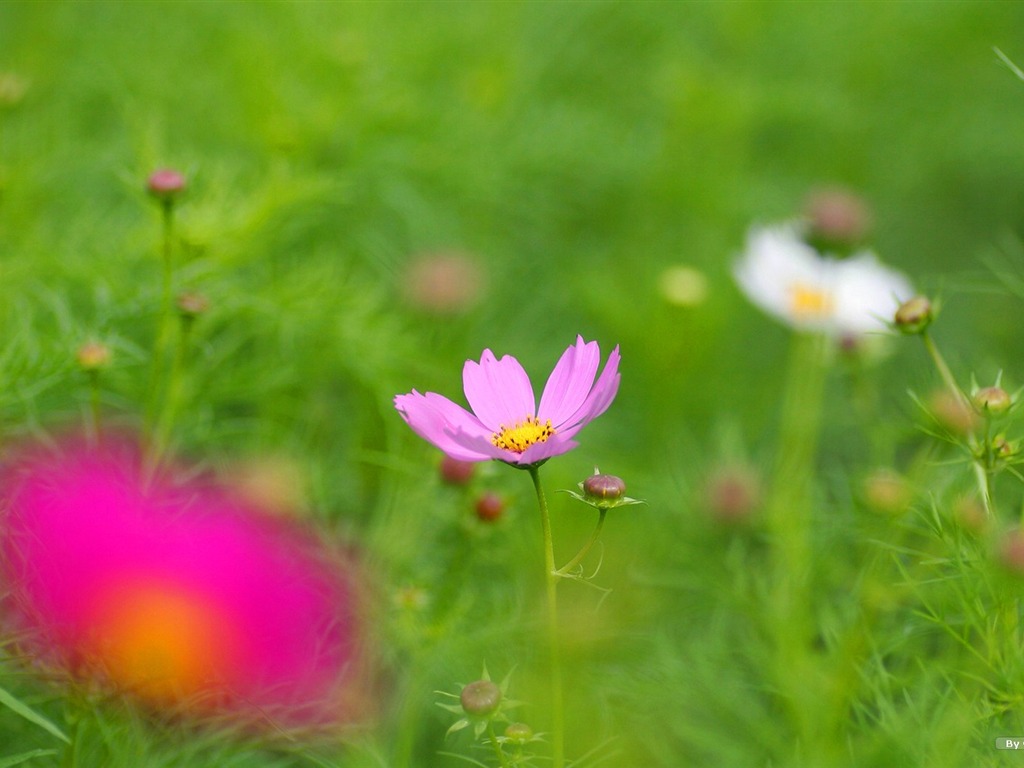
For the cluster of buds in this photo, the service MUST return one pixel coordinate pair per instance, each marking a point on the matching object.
(489, 506)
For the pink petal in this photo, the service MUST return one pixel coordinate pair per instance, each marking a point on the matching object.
(570, 382)
(554, 446)
(498, 391)
(436, 418)
(597, 402)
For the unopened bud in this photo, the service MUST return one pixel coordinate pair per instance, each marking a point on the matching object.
(952, 412)
(165, 184)
(455, 471)
(489, 507)
(191, 304)
(886, 491)
(518, 733)
(732, 495)
(604, 487)
(991, 401)
(1011, 551)
(93, 355)
(838, 219)
(480, 699)
(914, 315)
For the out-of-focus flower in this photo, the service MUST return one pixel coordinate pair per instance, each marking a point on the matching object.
(505, 422)
(789, 280)
(174, 591)
(683, 286)
(444, 283)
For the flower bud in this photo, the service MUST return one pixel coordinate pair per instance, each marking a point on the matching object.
(446, 283)
(93, 355)
(489, 507)
(914, 315)
(838, 219)
(1011, 551)
(191, 304)
(732, 495)
(456, 472)
(518, 733)
(165, 184)
(604, 487)
(952, 412)
(480, 699)
(991, 401)
(886, 491)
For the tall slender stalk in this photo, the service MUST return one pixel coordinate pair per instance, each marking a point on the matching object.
(790, 518)
(551, 579)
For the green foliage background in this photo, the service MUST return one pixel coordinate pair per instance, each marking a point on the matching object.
(578, 149)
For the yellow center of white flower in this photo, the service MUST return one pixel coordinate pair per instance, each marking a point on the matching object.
(523, 434)
(807, 302)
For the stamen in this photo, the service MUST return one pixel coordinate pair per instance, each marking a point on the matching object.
(523, 434)
(807, 301)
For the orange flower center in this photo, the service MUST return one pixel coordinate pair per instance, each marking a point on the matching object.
(161, 640)
(523, 434)
(807, 302)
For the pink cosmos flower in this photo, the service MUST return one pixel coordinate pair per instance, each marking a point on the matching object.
(506, 423)
(174, 590)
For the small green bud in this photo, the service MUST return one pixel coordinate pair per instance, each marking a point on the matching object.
(93, 355)
(991, 401)
(518, 733)
(480, 699)
(914, 315)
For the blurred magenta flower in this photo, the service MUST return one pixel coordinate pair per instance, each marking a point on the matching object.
(175, 591)
(505, 422)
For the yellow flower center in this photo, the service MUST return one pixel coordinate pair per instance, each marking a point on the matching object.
(523, 434)
(809, 302)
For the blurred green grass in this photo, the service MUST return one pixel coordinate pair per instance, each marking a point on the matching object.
(578, 149)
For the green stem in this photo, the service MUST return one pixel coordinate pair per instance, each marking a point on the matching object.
(981, 473)
(789, 513)
(165, 323)
(552, 577)
(586, 547)
(497, 747)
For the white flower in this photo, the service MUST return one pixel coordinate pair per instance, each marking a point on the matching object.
(787, 278)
